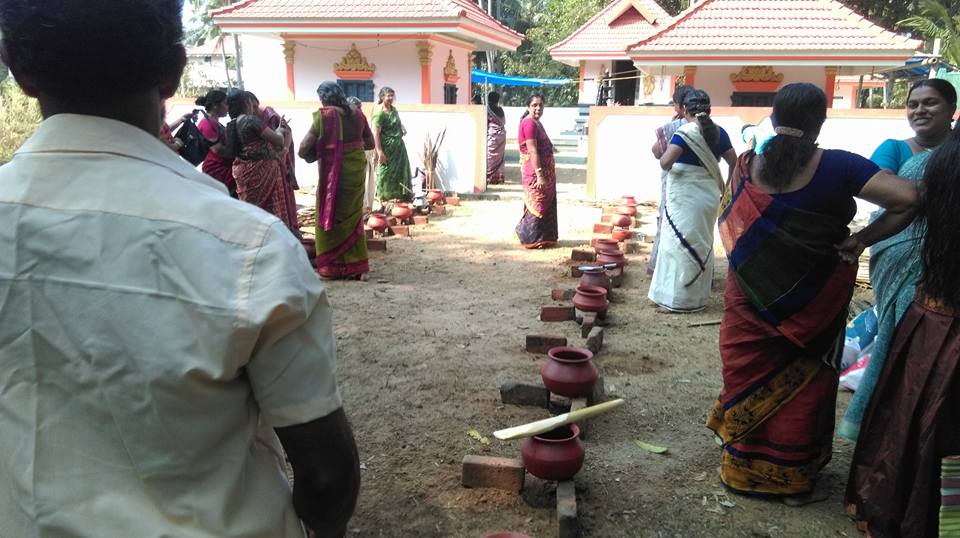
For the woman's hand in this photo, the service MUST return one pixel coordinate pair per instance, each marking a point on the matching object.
(539, 184)
(851, 248)
(381, 158)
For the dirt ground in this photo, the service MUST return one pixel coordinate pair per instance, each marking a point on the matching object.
(425, 345)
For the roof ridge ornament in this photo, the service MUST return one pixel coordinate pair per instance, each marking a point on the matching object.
(625, 6)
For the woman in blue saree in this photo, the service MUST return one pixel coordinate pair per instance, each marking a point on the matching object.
(895, 262)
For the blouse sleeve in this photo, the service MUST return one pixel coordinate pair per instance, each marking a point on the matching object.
(858, 170)
(208, 130)
(377, 118)
(725, 143)
(317, 126)
(677, 140)
(887, 155)
(528, 129)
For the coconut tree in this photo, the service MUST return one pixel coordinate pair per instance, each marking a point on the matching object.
(935, 21)
(203, 31)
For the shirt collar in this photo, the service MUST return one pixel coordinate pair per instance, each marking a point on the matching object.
(76, 133)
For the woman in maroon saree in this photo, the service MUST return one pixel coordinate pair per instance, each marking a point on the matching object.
(538, 226)
(288, 165)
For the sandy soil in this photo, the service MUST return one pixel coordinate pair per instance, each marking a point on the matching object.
(425, 345)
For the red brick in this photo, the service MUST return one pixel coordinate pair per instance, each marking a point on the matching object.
(420, 220)
(488, 472)
(567, 519)
(514, 393)
(561, 294)
(377, 244)
(587, 324)
(452, 200)
(401, 230)
(541, 343)
(606, 218)
(438, 210)
(556, 312)
(601, 228)
(583, 255)
(595, 339)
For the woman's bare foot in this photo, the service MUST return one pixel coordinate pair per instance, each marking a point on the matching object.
(820, 493)
(363, 277)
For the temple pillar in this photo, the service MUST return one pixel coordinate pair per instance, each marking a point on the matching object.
(689, 75)
(289, 52)
(830, 84)
(425, 52)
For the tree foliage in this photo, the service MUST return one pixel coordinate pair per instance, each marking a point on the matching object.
(934, 20)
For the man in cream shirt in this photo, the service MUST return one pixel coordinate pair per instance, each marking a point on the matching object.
(157, 338)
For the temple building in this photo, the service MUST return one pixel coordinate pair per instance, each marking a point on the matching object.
(421, 49)
(738, 51)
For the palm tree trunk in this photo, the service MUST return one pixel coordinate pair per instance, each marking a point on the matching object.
(239, 52)
(223, 54)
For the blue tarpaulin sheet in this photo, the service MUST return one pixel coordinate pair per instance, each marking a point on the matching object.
(483, 77)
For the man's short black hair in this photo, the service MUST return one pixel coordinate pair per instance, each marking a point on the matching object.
(93, 50)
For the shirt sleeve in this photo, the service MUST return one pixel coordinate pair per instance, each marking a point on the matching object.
(859, 170)
(293, 366)
(725, 143)
(887, 155)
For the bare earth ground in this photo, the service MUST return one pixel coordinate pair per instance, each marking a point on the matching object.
(425, 345)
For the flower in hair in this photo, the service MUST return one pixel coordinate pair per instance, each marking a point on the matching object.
(788, 131)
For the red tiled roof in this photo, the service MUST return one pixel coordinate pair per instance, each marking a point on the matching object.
(771, 25)
(360, 9)
(600, 34)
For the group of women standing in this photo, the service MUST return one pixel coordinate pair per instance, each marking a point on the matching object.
(783, 218)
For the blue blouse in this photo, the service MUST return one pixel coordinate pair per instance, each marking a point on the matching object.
(689, 157)
(839, 177)
(892, 154)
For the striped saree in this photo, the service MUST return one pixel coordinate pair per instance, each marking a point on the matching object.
(785, 309)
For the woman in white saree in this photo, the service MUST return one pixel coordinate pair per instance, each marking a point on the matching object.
(684, 269)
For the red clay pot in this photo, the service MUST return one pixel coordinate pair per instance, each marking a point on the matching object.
(435, 196)
(606, 244)
(378, 222)
(555, 455)
(628, 200)
(628, 210)
(591, 299)
(622, 221)
(611, 256)
(595, 277)
(402, 211)
(621, 234)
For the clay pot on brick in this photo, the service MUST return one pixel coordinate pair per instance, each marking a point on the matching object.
(611, 256)
(435, 196)
(554, 455)
(606, 244)
(402, 211)
(594, 276)
(622, 221)
(377, 222)
(591, 299)
(627, 210)
(621, 234)
(569, 371)
(628, 200)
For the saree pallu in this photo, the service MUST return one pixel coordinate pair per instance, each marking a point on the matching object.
(664, 134)
(781, 339)
(538, 227)
(894, 272)
(341, 242)
(911, 425)
(260, 182)
(682, 277)
(393, 178)
(496, 148)
(221, 169)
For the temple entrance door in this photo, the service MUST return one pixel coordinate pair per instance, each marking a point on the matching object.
(757, 99)
(624, 89)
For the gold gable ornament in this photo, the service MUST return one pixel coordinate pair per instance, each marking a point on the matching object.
(450, 73)
(354, 66)
(756, 78)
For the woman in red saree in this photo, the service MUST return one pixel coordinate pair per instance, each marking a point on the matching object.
(337, 141)
(788, 289)
(288, 165)
(217, 164)
(257, 152)
(538, 226)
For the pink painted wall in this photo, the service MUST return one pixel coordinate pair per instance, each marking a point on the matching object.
(715, 80)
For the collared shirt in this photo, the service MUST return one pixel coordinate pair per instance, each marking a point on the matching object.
(153, 331)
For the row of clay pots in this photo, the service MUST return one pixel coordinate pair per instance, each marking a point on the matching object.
(558, 454)
(435, 196)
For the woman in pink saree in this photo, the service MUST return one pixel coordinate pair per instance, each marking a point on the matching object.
(538, 226)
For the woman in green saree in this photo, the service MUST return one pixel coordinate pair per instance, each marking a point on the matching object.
(895, 262)
(393, 165)
(337, 141)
